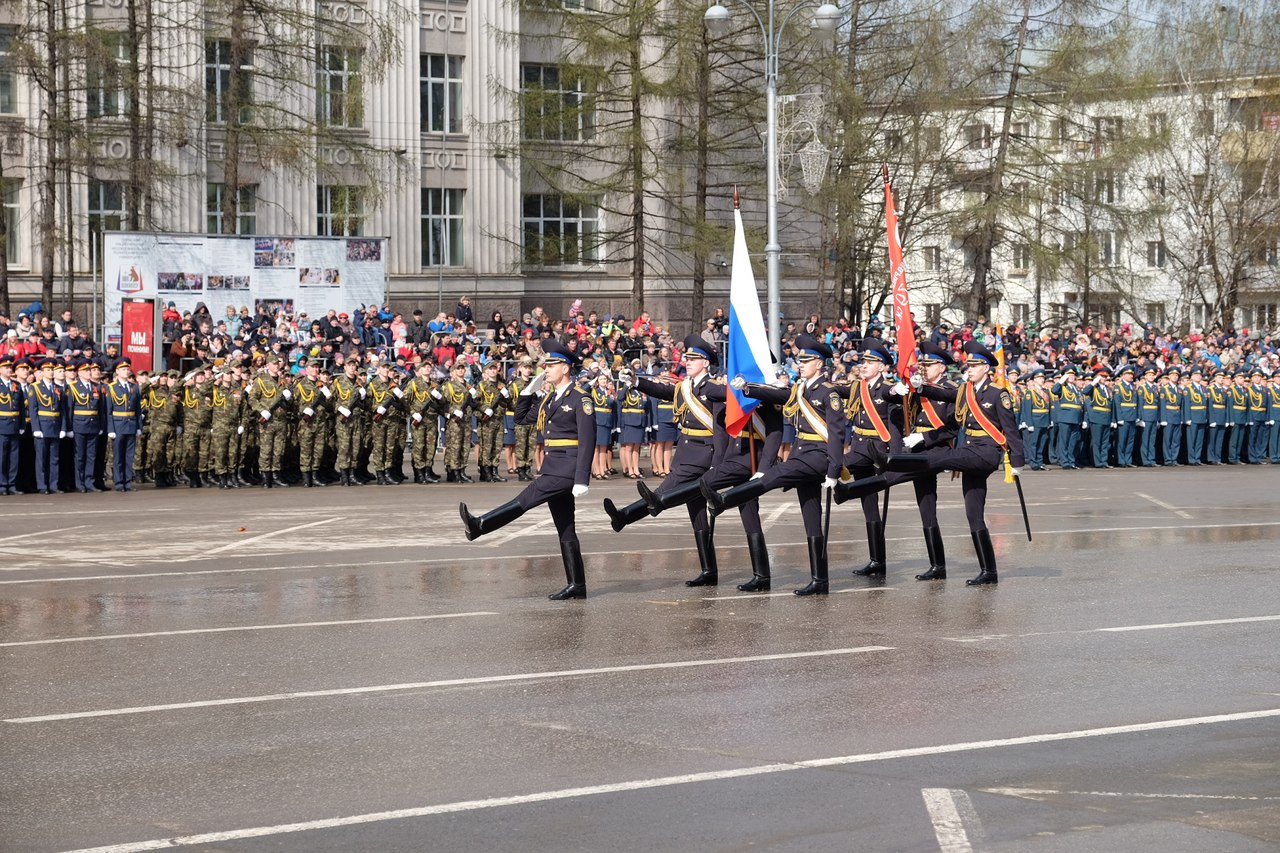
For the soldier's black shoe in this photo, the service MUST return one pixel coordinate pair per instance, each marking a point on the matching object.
(463, 477)
(847, 491)
(710, 574)
(937, 556)
(737, 496)
(450, 476)
(494, 476)
(484, 473)
(986, 559)
(491, 520)
(574, 571)
(760, 575)
(906, 462)
(875, 567)
(266, 480)
(352, 480)
(817, 568)
(523, 474)
(629, 514)
(429, 476)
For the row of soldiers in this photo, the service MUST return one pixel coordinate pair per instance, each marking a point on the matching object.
(1145, 416)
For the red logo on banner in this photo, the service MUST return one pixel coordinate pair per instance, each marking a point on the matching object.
(137, 333)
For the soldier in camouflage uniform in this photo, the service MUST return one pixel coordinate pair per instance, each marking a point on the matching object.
(226, 428)
(421, 402)
(348, 404)
(266, 395)
(489, 406)
(384, 409)
(398, 431)
(313, 422)
(197, 422)
(455, 399)
(140, 458)
(526, 434)
(162, 411)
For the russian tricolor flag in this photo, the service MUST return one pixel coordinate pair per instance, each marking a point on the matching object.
(748, 354)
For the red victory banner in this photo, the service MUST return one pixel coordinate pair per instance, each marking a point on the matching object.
(898, 279)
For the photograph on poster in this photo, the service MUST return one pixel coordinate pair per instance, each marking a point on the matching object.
(269, 306)
(228, 282)
(364, 250)
(319, 277)
(277, 252)
(179, 282)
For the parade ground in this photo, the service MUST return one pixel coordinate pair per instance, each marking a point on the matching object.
(337, 669)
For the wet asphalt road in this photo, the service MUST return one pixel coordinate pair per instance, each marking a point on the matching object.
(338, 669)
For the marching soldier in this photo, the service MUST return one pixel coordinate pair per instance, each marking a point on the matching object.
(348, 403)
(696, 414)
(46, 411)
(566, 419)
(1148, 393)
(455, 400)
(1195, 406)
(1124, 411)
(197, 415)
(1237, 416)
(1219, 415)
(141, 456)
(123, 402)
(85, 410)
(1171, 414)
(226, 426)
(1273, 415)
(1068, 418)
(1259, 436)
(312, 423)
(384, 409)
(525, 434)
(1035, 418)
(13, 414)
(1100, 418)
(424, 423)
(266, 396)
(162, 413)
(488, 401)
(816, 408)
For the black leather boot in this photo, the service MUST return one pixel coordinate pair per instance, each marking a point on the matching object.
(266, 480)
(193, 480)
(844, 492)
(352, 479)
(986, 559)
(389, 479)
(875, 567)
(492, 520)
(484, 473)
(760, 577)
(907, 462)
(678, 496)
(937, 556)
(817, 568)
(574, 571)
(737, 496)
(710, 574)
(463, 477)
(620, 518)
(429, 476)
(494, 476)
(523, 474)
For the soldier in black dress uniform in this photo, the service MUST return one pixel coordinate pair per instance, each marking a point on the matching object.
(566, 423)
(696, 416)
(815, 408)
(985, 414)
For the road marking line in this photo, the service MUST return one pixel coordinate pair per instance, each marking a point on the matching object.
(239, 543)
(448, 682)
(1018, 534)
(775, 515)
(1117, 629)
(42, 533)
(750, 595)
(1034, 793)
(527, 530)
(1173, 509)
(945, 817)
(668, 781)
(247, 628)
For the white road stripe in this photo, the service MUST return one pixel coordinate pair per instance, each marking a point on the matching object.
(669, 781)
(41, 533)
(1156, 626)
(234, 628)
(1173, 509)
(449, 682)
(526, 530)
(1014, 534)
(787, 593)
(945, 817)
(1036, 793)
(768, 520)
(240, 543)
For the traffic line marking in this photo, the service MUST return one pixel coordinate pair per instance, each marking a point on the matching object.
(669, 781)
(1038, 793)
(240, 543)
(1173, 509)
(1119, 629)
(951, 812)
(448, 682)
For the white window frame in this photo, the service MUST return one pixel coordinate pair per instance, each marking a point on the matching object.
(339, 86)
(553, 109)
(13, 219)
(8, 77)
(103, 216)
(440, 85)
(443, 227)
(559, 232)
(932, 256)
(217, 81)
(246, 209)
(339, 211)
(1157, 254)
(105, 94)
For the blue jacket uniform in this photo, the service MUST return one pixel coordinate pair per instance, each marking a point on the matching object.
(1035, 417)
(1148, 394)
(123, 408)
(1219, 417)
(13, 419)
(1100, 416)
(1172, 418)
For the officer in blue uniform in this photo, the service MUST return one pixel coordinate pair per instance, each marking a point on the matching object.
(1172, 416)
(1273, 417)
(46, 409)
(13, 415)
(1068, 418)
(605, 405)
(816, 408)
(1259, 435)
(1124, 409)
(697, 415)
(1237, 416)
(1099, 417)
(1148, 393)
(84, 401)
(1195, 406)
(123, 401)
(565, 418)
(1219, 415)
(1035, 418)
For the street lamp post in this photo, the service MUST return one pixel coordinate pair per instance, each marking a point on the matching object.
(717, 19)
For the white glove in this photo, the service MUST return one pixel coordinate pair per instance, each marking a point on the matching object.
(1213, 425)
(474, 393)
(417, 417)
(111, 435)
(1017, 472)
(579, 491)
(240, 430)
(1142, 424)
(308, 411)
(1188, 423)
(912, 440)
(435, 392)
(326, 392)
(534, 386)
(179, 431)
(917, 381)
(901, 389)
(457, 413)
(63, 433)
(288, 395)
(382, 410)
(738, 383)
(397, 392)
(1113, 424)
(829, 483)
(1271, 423)
(266, 415)
(1084, 425)
(757, 475)
(1031, 428)
(362, 393)
(1164, 423)
(38, 434)
(505, 392)
(488, 413)
(344, 411)
(617, 430)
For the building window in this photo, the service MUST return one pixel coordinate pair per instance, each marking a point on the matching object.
(930, 198)
(105, 78)
(339, 211)
(1157, 255)
(977, 136)
(442, 240)
(1108, 130)
(577, 5)
(246, 209)
(932, 258)
(1021, 312)
(560, 231)
(555, 104)
(1199, 183)
(1157, 124)
(440, 92)
(893, 140)
(931, 139)
(217, 82)
(932, 313)
(1262, 315)
(1156, 188)
(1108, 186)
(1020, 193)
(339, 91)
(1156, 315)
(8, 79)
(1204, 123)
(1108, 248)
(1021, 258)
(13, 220)
(107, 212)
(1198, 315)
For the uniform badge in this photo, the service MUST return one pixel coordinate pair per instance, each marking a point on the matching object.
(835, 400)
(566, 408)
(1006, 401)
(586, 407)
(986, 405)
(879, 400)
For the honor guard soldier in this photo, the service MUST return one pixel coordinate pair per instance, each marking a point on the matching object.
(525, 445)
(85, 406)
(124, 421)
(1068, 418)
(816, 408)
(1237, 417)
(1148, 393)
(606, 406)
(1259, 434)
(1124, 409)
(875, 417)
(162, 414)
(424, 423)
(46, 409)
(348, 403)
(1273, 417)
(313, 423)
(455, 400)
(1035, 418)
(1171, 414)
(696, 415)
(13, 417)
(489, 409)
(932, 424)
(226, 428)
(384, 409)
(565, 417)
(266, 397)
(985, 412)
(1219, 415)
(197, 417)
(1100, 417)
(1195, 406)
